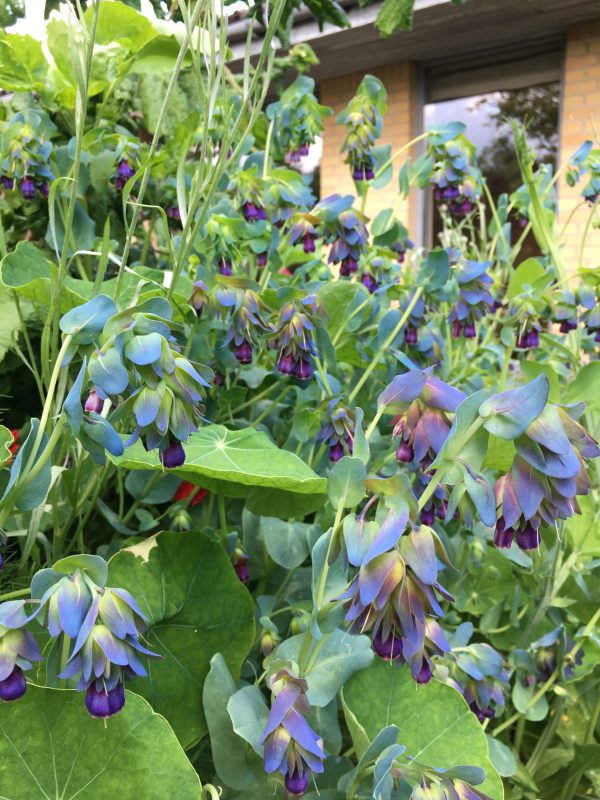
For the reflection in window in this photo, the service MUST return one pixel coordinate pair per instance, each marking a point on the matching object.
(485, 117)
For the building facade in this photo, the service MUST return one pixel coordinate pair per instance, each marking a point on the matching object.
(457, 58)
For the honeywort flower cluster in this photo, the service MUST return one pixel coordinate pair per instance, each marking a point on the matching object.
(25, 150)
(474, 298)
(293, 336)
(244, 311)
(363, 120)
(547, 473)
(476, 670)
(337, 431)
(291, 746)
(247, 189)
(135, 361)
(440, 787)
(456, 178)
(344, 228)
(565, 310)
(103, 623)
(393, 594)
(299, 117)
(18, 648)
(422, 403)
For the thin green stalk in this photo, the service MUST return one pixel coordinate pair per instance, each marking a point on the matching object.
(270, 407)
(64, 657)
(15, 595)
(82, 104)
(222, 516)
(375, 360)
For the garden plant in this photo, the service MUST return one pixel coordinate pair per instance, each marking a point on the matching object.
(289, 506)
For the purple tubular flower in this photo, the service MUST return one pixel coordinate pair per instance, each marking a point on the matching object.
(93, 403)
(125, 170)
(424, 675)
(303, 369)
(469, 331)
(14, 686)
(348, 266)
(225, 266)
(243, 352)
(291, 746)
(8, 183)
(390, 650)
(336, 451)
(528, 538)
(173, 455)
(173, 212)
(503, 536)
(308, 242)
(286, 365)
(241, 568)
(411, 335)
(405, 453)
(295, 783)
(369, 282)
(43, 187)
(261, 259)
(427, 516)
(28, 188)
(103, 703)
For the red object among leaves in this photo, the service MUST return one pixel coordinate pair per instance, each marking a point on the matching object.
(185, 490)
(15, 444)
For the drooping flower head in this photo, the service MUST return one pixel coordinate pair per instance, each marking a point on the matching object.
(294, 336)
(291, 746)
(343, 228)
(456, 178)
(25, 151)
(299, 117)
(18, 648)
(423, 403)
(474, 300)
(338, 430)
(393, 593)
(243, 309)
(565, 310)
(547, 473)
(476, 670)
(363, 120)
(104, 624)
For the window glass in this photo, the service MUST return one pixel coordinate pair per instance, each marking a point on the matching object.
(485, 116)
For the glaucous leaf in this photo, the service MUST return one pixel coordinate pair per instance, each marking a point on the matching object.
(436, 725)
(196, 606)
(508, 414)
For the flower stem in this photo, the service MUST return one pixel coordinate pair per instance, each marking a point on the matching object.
(375, 360)
(15, 595)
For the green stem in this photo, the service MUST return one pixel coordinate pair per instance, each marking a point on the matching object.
(15, 595)
(222, 517)
(374, 422)
(375, 360)
(64, 657)
(270, 407)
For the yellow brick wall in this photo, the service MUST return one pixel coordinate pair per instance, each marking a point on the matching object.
(399, 127)
(580, 120)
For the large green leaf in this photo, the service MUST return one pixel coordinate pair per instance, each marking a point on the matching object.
(242, 463)
(23, 66)
(196, 606)
(436, 726)
(50, 747)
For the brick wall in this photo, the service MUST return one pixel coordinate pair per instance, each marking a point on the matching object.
(399, 127)
(580, 120)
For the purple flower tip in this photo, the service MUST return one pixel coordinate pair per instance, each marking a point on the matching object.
(390, 650)
(173, 455)
(308, 243)
(303, 369)
(261, 259)
(427, 516)
(528, 538)
(295, 783)
(125, 170)
(94, 403)
(503, 537)
(411, 335)
(369, 282)
(243, 352)
(456, 330)
(336, 451)
(13, 687)
(424, 675)
(28, 188)
(286, 365)
(104, 703)
(241, 568)
(469, 331)
(405, 453)
(43, 187)
(225, 267)
(8, 183)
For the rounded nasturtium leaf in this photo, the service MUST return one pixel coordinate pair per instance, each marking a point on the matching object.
(436, 725)
(6, 440)
(243, 463)
(196, 606)
(50, 747)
